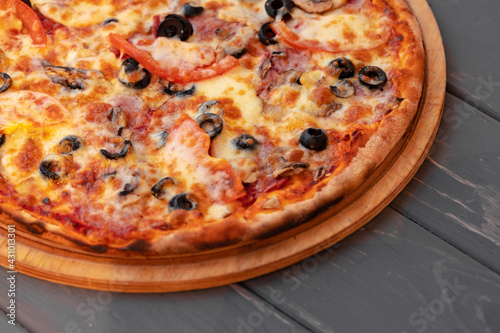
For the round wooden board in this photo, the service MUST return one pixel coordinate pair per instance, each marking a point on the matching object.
(214, 269)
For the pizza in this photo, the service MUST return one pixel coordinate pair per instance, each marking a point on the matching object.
(170, 127)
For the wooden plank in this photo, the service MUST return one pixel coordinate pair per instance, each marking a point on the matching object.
(472, 44)
(44, 307)
(5, 327)
(456, 192)
(391, 276)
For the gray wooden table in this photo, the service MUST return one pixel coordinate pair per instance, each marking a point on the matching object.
(430, 262)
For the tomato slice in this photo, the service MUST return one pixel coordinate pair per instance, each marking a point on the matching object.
(30, 21)
(178, 75)
(294, 40)
(187, 139)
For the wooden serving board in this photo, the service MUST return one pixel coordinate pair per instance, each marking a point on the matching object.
(57, 264)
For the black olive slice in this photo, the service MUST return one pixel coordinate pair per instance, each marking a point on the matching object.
(208, 107)
(210, 123)
(7, 82)
(343, 90)
(246, 142)
(129, 187)
(187, 92)
(28, 2)
(182, 201)
(161, 188)
(110, 20)
(128, 74)
(121, 154)
(175, 26)
(174, 90)
(189, 10)
(314, 139)
(163, 139)
(279, 54)
(109, 174)
(278, 7)
(69, 144)
(2, 139)
(267, 35)
(345, 65)
(54, 166)
(372, 76)
(239, 54)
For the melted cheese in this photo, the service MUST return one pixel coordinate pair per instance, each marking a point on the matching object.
(180, 54)
(76, 13)
(241, 14)
(350, 31)
(237, 84)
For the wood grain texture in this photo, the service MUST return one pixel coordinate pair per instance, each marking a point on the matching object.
(470, 31)
(370, 282)
(456, 192)
(268, 255)
(5, 327)
(58, 309)
(387, 278)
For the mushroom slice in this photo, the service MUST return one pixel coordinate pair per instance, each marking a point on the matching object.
(314, 6)
(291, 76)
(117, 117)
(162, 140)
(344, 89)
(130, 187)
(264, 67)
(70, 77)
(290, 169)
(272, 203)
(319, 173)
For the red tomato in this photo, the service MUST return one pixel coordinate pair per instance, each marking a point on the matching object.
(178, 75)
(294, 40)
(30, 21)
